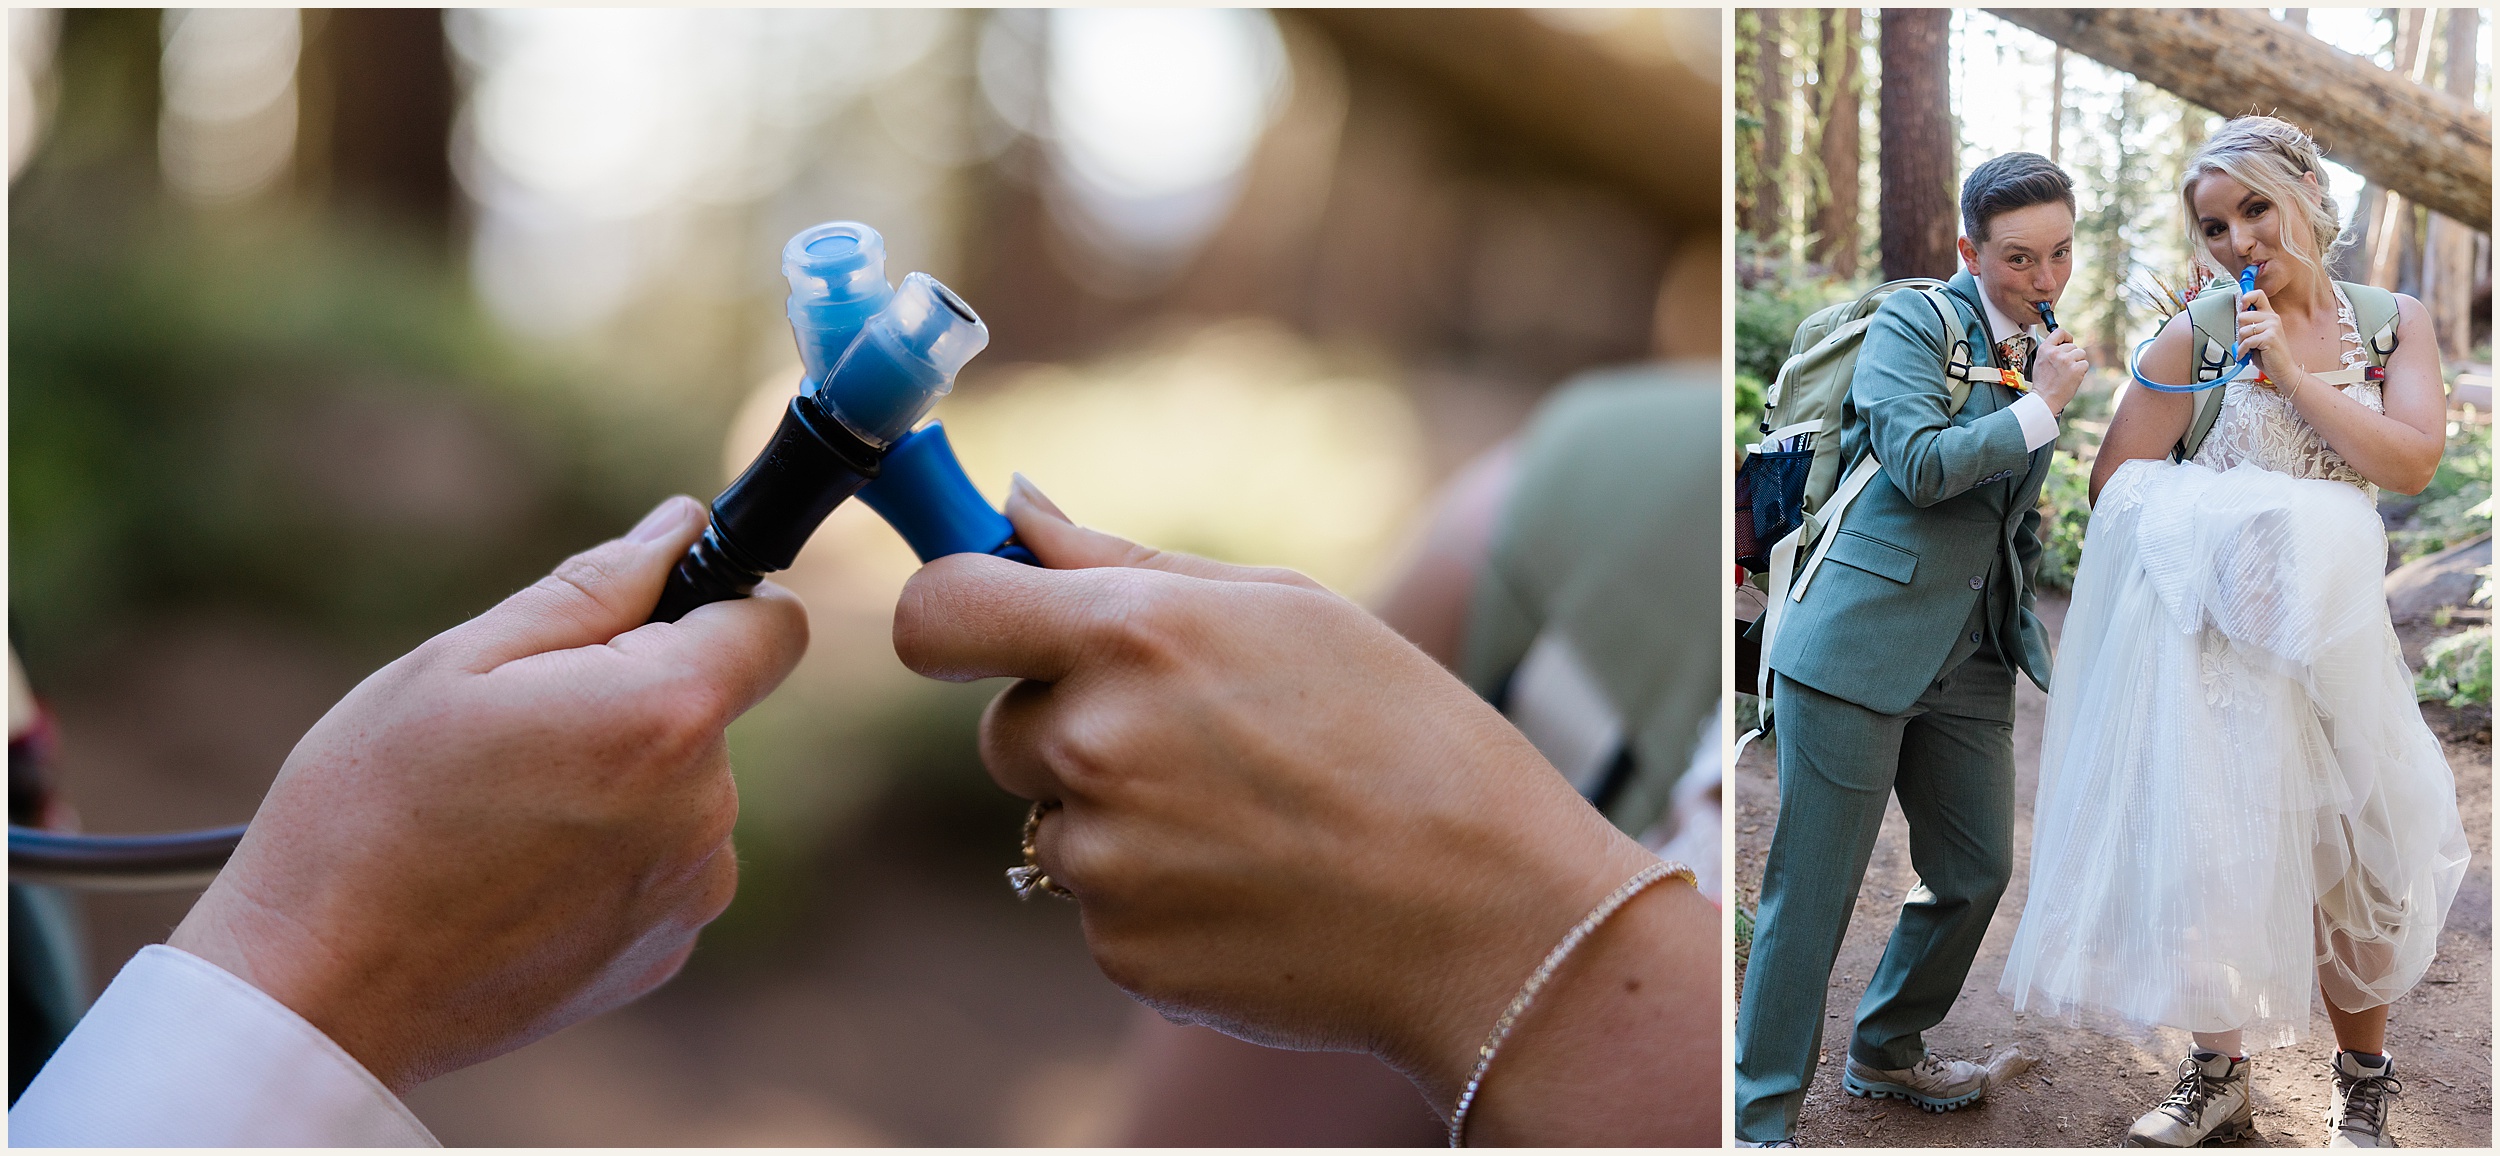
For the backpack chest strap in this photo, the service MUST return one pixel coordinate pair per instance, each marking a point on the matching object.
(2354, 376)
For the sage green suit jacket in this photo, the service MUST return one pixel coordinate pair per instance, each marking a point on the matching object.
(1948, 526)
(1605, 538)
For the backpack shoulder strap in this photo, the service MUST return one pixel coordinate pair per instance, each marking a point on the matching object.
(2213, 326)
(1957, 360)
(2374, 313)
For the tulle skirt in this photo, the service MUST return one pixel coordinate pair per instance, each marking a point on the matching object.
(2238, 797)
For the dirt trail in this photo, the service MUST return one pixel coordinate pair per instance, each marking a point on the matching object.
(2084, 1089)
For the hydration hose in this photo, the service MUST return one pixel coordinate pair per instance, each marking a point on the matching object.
(2243, 368)
(119, 862)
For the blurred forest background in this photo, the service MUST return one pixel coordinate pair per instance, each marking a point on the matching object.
(1854, 127)
(327, 328)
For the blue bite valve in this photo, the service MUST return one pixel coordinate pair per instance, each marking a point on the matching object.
(923, 493)
(902, 362)
(836, 272)
(877, 359)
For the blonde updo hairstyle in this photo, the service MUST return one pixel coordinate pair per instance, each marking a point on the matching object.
(2269, 156)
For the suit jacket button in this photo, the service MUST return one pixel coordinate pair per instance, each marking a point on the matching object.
(1977, 583)
(1974, 636)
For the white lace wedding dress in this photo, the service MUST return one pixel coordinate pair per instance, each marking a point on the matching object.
(2239, 802)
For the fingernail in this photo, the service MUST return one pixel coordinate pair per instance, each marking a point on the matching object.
(1033, 493)
(663, 520)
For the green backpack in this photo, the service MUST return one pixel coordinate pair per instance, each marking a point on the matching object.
(1802, 406)
(1790, 487)
(2214, 316)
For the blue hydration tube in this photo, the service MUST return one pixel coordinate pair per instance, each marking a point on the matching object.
(2240, 369)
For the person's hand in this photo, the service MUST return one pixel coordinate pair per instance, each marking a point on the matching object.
(2261, 337)
(2058, 369)
(1282, 820)
(516, 826)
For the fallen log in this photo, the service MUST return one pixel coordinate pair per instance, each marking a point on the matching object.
(2423, 143)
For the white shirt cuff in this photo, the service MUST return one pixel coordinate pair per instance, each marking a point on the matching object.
(2039, 423)
(179, 1052)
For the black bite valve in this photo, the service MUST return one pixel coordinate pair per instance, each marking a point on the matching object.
(813, 464)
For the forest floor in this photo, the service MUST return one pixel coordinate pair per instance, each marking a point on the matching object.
(2083, 1089)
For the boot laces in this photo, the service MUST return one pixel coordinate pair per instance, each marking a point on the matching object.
(2189, 1096)
(2362, 1099)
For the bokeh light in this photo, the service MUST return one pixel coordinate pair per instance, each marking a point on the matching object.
(228, 127)
(1153, 114)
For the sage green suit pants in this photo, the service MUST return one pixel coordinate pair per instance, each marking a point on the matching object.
(1950, 761)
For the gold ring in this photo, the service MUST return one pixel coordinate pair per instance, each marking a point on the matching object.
(1029, 878)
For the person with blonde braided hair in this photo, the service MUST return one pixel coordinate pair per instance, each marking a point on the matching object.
(2239, 803)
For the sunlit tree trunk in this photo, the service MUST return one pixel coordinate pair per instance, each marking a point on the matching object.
(1915, 142)
(1836, 219)
(1771, 85)
(2057, 107)
(2394, 252)
(2448, 269)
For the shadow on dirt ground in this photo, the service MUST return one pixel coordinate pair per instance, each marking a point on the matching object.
(2086, 1088)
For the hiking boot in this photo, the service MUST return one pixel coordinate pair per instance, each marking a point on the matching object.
(2363, 1083)
(1935, 1084)
(2210, 1102)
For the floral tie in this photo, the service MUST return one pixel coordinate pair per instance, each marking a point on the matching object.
(2014, 353)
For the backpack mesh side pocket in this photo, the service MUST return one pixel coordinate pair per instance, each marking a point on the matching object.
(1770, 503)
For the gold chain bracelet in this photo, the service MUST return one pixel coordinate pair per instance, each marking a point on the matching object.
(1662, 869)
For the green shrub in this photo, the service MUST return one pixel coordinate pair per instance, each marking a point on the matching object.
(2456, 669)
(1748, 408)
(2065, 513)
(1767, 317)
(2452, 508)
(1773, 297)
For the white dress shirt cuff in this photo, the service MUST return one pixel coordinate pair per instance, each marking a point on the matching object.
(179, 1052)
(2039, 424)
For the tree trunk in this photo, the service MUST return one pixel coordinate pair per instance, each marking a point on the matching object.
(2410, 248)
(106, 67)
(377, 113)
(1836, 221)
(1770, 196)
(2057, 107)
(1648, 125)
(2373, 257)
(1915, 144)
(2448, 270)
(2353, 263)
(2426, 144)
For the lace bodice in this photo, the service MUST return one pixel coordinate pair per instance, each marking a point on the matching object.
(2258, 427)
